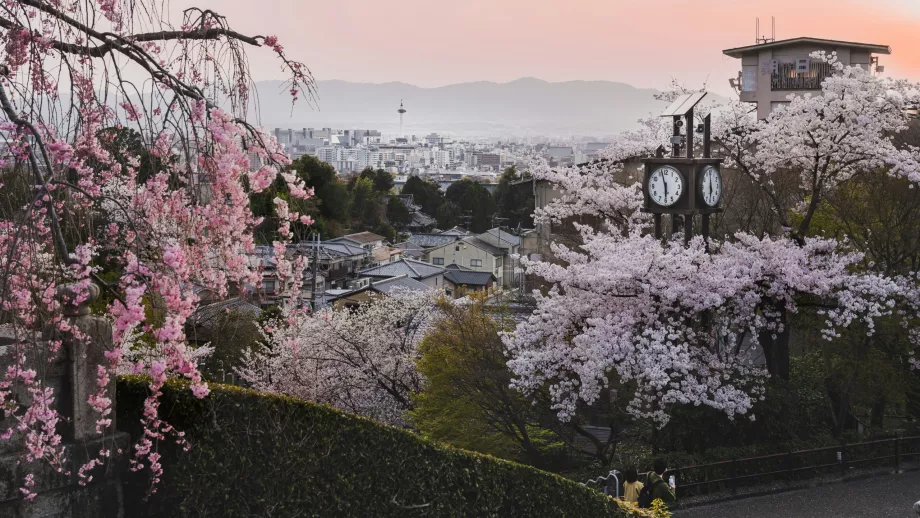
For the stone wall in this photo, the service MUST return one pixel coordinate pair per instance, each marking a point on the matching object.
(71, 372)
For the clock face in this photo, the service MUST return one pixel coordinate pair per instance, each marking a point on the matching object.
(665, 186)
(711, 186)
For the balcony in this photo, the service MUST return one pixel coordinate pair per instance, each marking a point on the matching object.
(786, 77)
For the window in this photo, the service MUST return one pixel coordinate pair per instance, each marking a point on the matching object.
(456, 248)
(749, 78)
(476, 263)
(437, 260)
(268, 285)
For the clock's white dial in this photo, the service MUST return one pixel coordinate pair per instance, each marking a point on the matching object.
(665, 186)
(711, 186)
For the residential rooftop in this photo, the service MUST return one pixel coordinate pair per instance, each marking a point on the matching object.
(871, 47)
(408, 267)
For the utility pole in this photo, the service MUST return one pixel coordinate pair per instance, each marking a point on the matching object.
(468, 220)
(314, 237)
(498, 220)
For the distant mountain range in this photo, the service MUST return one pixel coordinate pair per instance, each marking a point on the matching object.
(523, 107)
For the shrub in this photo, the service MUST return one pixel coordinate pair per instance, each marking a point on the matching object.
(255, 454)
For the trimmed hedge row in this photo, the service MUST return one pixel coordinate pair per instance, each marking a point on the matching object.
(256, 454)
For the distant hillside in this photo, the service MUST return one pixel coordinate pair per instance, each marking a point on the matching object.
(522, 107)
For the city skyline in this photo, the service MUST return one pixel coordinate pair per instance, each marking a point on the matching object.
(429, 45)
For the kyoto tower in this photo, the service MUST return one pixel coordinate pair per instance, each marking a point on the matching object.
(401, 111)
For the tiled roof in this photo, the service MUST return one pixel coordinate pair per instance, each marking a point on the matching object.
(409, 202)
(466, 277)
(364, 237)
(410, 250)
(388, 286)
(408, 245)
(504, 236)
(329, 249)
(456, 231)
(408, 267)
(433, 240)
(420, 219)
(385, 287)
(482, 245)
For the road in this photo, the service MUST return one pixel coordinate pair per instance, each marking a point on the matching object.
(888, 496)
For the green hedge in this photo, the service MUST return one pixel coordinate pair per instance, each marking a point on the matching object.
(256, 454)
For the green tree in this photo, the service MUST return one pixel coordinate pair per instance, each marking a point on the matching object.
(383, 181)
(448, 215)
(397, 213)
(473, 199)
(424, 193)
(330, 194)
(467, 400)
(514, 202)
(365, 205)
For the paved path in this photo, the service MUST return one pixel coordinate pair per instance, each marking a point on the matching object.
(887, 496)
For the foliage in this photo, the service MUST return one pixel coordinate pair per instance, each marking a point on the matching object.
(426, 194)
(514, 202)
(153, 187)
(397, 213)
(365, 205)
(361, 360)
(449, 215)
(295, 458)
(473, 199)
(793, 414)
(230, 335)
(467, 400)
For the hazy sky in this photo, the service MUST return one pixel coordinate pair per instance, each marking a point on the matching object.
(641, 42)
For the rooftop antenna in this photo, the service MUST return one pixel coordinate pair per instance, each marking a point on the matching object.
(757, 30)
(758, 39)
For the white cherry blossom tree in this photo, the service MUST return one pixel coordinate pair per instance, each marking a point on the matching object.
(682, 323)
(360, 360)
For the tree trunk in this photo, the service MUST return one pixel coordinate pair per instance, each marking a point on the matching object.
(776, 349)
(878, 414)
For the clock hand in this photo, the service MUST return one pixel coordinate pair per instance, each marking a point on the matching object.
(665, 183)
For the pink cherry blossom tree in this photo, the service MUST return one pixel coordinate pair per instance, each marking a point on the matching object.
(680, 323)
(360, 360)
(147, 221)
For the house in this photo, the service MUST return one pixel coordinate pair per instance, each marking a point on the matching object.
(511, 244)
(430, 275)
(262, 260)
(385, 287)
(384, 255)
(456, 231)
(410, 250)
(337, 261)
(473, 253)
(434, 240)
(365, 240)
(772, 70)
(420, 222)
(460, 280)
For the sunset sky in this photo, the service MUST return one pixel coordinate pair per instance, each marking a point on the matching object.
(641, 42)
